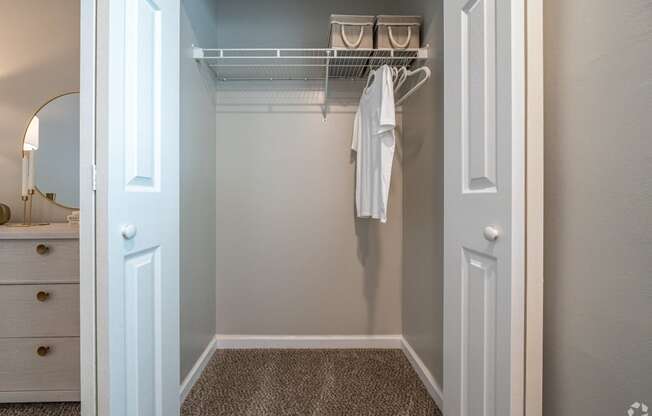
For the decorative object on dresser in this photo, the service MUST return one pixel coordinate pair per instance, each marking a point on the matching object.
(39, 305)
(73, 218)
(5, 214)
(50, 152)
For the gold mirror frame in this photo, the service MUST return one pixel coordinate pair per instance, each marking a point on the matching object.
(22, 147)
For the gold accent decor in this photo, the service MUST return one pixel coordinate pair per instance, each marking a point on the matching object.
(43, 350)
(27, 212)
(42, 249)
(42, 296)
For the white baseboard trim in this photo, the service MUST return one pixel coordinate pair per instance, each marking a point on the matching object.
(197, 370)
(424, 374)
(308, 341)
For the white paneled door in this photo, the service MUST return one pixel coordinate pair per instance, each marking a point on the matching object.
(138, 189)
(484, 207)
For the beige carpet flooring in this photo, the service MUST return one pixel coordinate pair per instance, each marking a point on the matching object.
(40, 409)
(309, 382)
(292, 382)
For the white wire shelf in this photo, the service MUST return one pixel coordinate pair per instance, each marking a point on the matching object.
(303, 64)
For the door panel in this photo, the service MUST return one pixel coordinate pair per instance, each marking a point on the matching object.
(478, 84)
(143, 93)
(138, 189)
(484, 207)
(143, 331)
(479, 330)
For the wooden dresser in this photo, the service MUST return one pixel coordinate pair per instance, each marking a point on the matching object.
(39, 313)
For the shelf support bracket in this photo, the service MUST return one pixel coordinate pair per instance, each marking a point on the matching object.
(324, 108)
(197, 53)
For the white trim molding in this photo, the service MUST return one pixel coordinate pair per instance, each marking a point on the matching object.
(87, 228)
(197, 370)
(308, 341)
(424, 374)
(534, 214)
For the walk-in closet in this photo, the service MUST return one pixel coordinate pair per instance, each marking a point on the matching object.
(269, 97)
(343, 183)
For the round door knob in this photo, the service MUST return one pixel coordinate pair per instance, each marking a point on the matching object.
(42, 351)
(42, 296)
(491, 233)
(129, 231)
(42, 249)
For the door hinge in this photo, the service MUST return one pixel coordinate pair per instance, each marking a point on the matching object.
(93, 177)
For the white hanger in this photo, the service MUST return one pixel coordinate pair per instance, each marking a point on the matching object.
(426, 71)
(396, 73)
(370, 78)
(401, 77)
(372, 75)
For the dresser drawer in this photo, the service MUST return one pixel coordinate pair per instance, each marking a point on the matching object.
(39, 310)
(30, 261)
(23, 369)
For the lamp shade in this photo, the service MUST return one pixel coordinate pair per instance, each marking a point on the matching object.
(31, 137)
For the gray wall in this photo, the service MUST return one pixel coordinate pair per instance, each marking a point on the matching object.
(39, 41)
(290, 23)
(423, 206)
(197, 193)
(598, 196)
(291, 258)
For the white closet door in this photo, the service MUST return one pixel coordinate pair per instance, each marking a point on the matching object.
(484, 207)
(138, 190)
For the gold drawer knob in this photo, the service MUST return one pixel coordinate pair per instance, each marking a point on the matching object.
(42, 249)
(42, 296)
(42, 351)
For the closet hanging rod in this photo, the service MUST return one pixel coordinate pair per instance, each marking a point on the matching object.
(345, 58)
(423, 52)
(291, 65)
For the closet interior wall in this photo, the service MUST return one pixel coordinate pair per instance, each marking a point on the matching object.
(291, 257)
(197, 167)
(423, 201)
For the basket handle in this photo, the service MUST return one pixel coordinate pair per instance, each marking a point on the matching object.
(396, 44)
(347, 42)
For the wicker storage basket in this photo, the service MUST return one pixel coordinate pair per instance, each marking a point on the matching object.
(398, 32)
(352, 32)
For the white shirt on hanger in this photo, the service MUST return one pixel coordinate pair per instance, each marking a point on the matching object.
(374, 142)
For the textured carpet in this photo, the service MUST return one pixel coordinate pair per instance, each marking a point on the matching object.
(40, 409)
(309, 382)
(292, 382)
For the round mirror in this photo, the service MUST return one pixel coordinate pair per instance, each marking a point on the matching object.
(52, 137)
